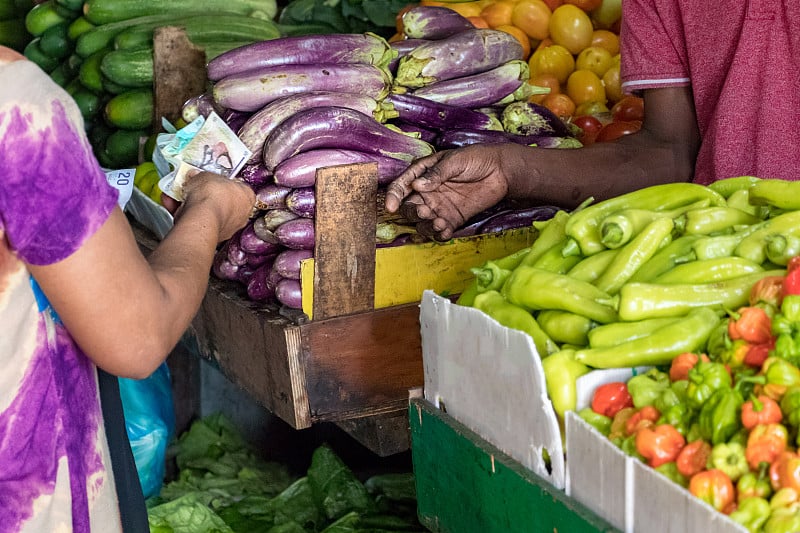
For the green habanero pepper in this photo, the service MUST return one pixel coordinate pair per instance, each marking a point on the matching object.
(790, 307)
(680, 417)
(754, 484)
(511, 316)
(718, 340)
(704, 379)
(646, 388)
(790, 406)
(659, 348)
(779, 371)
(783, 521)
(599, 422)
(670, 471)
(719, 417)
(730, 458)
(752, 512)
(675, 394)
(561, 371)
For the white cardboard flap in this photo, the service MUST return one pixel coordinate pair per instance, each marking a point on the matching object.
(490, 378)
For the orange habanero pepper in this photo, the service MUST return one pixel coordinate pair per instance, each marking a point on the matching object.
(679, 369)
(693, 458)
(713, 487)
(784, 472)
(660, 444)
(761, 410)
(765, 443)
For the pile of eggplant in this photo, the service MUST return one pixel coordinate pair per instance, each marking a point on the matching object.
(305, 102)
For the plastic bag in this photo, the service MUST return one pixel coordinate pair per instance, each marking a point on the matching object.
(150, 424)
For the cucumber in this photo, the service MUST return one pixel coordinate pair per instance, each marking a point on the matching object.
(89, 103)
(78, 27)
(98, 132)
(114, 88)
(55, 41)
(13, 34)
(90, 75)
(41, 17)
(72, 5)
(122, 147)
(129, 68)
(131, 110)
(206, 28)
(62, 75)
(103, 35)
(106, 11)
(35, 54)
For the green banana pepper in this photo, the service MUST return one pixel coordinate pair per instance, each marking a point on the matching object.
(719, 417)
(511, 316)
(590, 268)
(670, 471)
(728, 186)
(752, 513)
(704, 379)
(678, 252)
(601, 423)
(646, 388)
(565, 327)
(730, 459)
(551, 232)
(561, 371)
(619, 332)
(492, 274)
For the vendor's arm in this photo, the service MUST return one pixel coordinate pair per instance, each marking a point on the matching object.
(127, 312)
(445, 189)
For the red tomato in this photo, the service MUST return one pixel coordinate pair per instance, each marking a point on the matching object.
(629, 108)
(615, 130)
(590, 125)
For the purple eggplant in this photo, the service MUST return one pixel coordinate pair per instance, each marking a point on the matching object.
(518, 218)
(258, 288)
(252, 90)
(528, 118)
(433, 22)
(301, 170)
(472, 225)
(289, 293)
(431, 114)
(271, 196)
(201, 105)
(403, 47)
(338, 127)
(255, 175)
(222, 268)
(366, 48)
(235, 119)
(255, 131)
(297, 234)
(287, 263)
(427, 135)
(235, 254)
(256, 260)
(244, 273)
(253, 244)
(463, 137)
(478, 90)
(302, 202)
(265, 225)
(463, 54)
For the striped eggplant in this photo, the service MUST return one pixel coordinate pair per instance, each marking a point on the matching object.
(234, 253)
(251, 243)
(251, 90)
(463, 54)
(235, 119)
(255, 175)
(433, 22)
(287, 263)
(265, 225)
(297, 234)
(338, 127)
(428, 113)
(478, 90)
(289, 293)
(346, 48)
(528, 118)
(272, 196)
(201, 105)
(254, 132)
(457, 138)
(403, 47)
(302, 202)
(301, 170)
(258, 287)
(427, 135)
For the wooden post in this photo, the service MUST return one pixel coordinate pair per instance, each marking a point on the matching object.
(179, 73)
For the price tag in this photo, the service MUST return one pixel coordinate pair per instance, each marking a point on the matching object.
(122, 180)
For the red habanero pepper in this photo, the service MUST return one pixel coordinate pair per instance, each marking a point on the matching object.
(765, 443)
(609, 398)
(761, 410)
(791, 283)
(660, 444)
(693, 457)
(758, 353)
(713, 487)
(767, 290)
(644, 417)
(784, 472)
(679, 369)
(751, 324)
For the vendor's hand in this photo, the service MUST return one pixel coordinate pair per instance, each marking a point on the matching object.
(443, 190)
(231, 200)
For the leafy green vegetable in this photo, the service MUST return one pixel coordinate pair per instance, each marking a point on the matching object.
(187, 514)
(336, 489)
(345, 16)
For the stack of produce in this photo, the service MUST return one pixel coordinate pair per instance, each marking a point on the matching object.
(305, 102)
(100, 51)
(13, 33)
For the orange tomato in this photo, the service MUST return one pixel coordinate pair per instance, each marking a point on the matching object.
(532, 17)
(606, 39)
(467, 9)
(585, 86)
(613, 84)
(520, 36)
(553, 4)
(478, 22)
(571, 27)
(498, 13)
(594, 58)
(560, 104)
(555, 60)
(586, 5)
(544, 80)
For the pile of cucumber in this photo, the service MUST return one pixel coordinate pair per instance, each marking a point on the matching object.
(101, 52)
(12, 23)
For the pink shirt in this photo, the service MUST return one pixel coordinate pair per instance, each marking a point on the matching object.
(742, 60)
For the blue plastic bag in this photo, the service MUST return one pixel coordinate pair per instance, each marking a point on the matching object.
(150, 424)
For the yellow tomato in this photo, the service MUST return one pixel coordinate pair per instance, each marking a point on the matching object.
(594, 58)
(571, 27)
(606, 39)
(520, 36)
(555, 60)
(607, 13)
(532, 17)
(498, 13)
(591, 108)
(585, 86)
(612, 84)
(544, 80)
(467, 9)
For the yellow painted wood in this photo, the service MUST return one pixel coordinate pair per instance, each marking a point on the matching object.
(402, 273)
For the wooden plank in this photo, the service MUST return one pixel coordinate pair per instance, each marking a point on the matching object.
(179, 72)
(344, 227)
(384, 435)
(466, 485)
(362, 364)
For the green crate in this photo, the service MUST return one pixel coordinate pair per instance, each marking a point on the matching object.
(466, 485)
